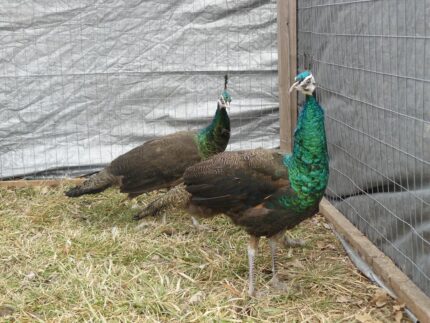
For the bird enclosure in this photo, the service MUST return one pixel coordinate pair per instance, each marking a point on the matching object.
(86, 81)
(371, 62)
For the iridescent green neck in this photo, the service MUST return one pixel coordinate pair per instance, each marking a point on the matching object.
(308, 165)
(214, 138)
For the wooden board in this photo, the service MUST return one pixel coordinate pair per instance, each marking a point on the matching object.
(46, 182)
(287, 70)
(393, 277)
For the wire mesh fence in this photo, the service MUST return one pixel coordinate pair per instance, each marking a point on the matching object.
(371, 60)
(84, 81)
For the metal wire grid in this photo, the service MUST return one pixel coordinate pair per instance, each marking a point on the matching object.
(85, 81)
(371, 61)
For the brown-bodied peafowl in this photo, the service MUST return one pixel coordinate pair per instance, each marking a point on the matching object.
(265, 191)
(161, 162)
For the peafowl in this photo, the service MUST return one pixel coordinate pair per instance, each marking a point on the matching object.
(264, 191)
(161, 162)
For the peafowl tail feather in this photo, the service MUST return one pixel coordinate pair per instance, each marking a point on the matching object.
(94, 184)
(176, 198)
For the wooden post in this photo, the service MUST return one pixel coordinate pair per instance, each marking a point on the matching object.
(44, 182)
(287, 70)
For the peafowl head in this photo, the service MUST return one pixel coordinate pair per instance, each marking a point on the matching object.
(225, 98)
(305, 83)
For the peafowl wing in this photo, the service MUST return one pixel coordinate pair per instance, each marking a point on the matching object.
(236, 182)
(155, 164)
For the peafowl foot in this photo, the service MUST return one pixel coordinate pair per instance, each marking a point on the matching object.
(139, 216)
(277, 284)
(143, 213)
(252, 292)
(199, 227)
(293, 243)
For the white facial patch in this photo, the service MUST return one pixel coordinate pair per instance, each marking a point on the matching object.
(310, 77)
(307, 86)
(221, 103)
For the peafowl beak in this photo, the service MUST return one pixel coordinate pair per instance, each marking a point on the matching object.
(294, 86)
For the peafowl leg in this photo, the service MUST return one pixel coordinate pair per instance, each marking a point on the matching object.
(195, 221)
(275, 282)
(164, 219)
(198, 226)
(252, 251)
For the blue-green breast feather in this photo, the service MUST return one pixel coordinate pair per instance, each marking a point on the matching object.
(308, 165)
(214, 138)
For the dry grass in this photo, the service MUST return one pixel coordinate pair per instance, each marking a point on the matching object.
(85, 259)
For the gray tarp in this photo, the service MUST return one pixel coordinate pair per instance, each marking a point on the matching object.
(84, 81)
(372, 62)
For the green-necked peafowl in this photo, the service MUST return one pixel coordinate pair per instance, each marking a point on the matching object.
(161, 162)
(264, 191)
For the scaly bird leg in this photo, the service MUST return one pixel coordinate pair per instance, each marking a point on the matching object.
(195, 221)
(275, 282)
(198, 226)
(164, 219)
(252, 251)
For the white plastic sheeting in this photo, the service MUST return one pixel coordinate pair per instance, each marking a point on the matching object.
(83, 81)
